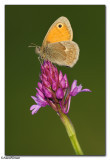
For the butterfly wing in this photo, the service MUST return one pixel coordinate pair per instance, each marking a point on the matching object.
(59, 31)
(64, 53)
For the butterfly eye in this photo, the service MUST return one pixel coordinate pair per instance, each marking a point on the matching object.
(59, 25)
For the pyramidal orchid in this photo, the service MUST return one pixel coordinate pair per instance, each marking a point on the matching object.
(53, 90)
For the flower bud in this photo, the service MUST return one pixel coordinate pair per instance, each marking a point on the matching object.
(59, 93)
(47, 92)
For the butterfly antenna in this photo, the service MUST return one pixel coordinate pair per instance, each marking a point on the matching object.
(32, 45)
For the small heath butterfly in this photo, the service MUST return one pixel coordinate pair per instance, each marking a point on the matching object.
(58, 46)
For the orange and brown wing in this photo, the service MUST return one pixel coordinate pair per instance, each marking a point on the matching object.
(59, 31)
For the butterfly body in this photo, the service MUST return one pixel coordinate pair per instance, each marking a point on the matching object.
(58, 46)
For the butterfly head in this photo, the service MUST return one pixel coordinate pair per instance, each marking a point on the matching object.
(37, 49)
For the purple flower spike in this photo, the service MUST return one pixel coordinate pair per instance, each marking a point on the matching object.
(53, 89)
(59, 93)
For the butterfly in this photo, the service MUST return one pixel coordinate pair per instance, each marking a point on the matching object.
(58, 46)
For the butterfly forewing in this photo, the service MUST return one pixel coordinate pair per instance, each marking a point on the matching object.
(59, 31)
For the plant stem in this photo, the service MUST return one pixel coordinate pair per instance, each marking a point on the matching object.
(71, 133)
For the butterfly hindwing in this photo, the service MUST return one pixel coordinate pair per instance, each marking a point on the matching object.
(63, 53)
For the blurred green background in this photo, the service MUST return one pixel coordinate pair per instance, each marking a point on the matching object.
(43, 133)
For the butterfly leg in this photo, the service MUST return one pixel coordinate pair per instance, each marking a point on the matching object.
(40, 60)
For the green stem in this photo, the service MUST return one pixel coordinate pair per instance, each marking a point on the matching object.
(71, 133)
